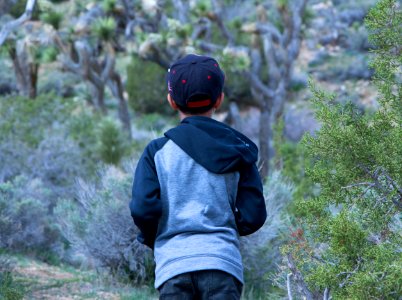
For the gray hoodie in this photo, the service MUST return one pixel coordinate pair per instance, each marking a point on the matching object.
(195, 191)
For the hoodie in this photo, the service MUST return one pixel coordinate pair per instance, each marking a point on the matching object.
(195, 191)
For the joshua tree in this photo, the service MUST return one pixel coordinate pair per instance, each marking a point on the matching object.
(95, 64)
(266, 58)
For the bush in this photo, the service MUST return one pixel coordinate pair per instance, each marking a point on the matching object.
(30, 121)
(55, 140)
(113, 143)
(99, 226)
(53, 18)
(25, 222)
(146, 87)
(44, 154)
(261, 254)
(348, 245)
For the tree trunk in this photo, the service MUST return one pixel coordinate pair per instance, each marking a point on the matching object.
(98, 93)
(117, 89)
(26, 74)
(233, 118)
(32, 74)
(265, 137)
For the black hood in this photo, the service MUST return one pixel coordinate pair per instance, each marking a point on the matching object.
(214, 145)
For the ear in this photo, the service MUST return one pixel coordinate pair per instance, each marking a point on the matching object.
(219, 101)
(171, 102)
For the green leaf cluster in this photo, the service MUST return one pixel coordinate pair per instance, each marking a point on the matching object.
(53, 18)
(104, 28)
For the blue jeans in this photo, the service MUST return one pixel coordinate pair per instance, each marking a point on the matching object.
(201, 285)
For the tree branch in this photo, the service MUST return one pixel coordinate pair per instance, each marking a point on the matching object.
(348, 274)
(12, 25)
(217, 17)
(260, 86)
(290, 297)
(182, 10)
(209, 47)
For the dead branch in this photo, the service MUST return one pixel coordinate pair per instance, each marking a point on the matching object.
(290, 297)
(326, 294)
(300, 283)
(348, 274)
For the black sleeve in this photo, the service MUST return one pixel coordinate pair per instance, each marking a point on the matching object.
(145, 205)
(250, 210)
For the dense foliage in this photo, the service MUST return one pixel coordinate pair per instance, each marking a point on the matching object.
(348, 243)
(147, 95)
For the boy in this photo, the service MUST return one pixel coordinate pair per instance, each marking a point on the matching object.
(196, 190)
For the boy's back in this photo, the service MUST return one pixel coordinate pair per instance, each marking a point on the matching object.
(195, 191)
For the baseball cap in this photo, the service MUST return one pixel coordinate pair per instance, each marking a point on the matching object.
(195, 82)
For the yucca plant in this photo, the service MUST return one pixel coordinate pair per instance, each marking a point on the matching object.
(104, 28)
(53, 18)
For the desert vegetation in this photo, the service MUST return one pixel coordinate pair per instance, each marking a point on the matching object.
(316, 84)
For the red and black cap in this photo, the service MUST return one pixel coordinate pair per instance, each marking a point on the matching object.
(195, 82)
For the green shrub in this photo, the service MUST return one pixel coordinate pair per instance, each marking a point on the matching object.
(104, 28)
(146, 87)
(30, 121)
(9, 289)
(348, 244)
(55, 139)
(108, 5)
(83, 128)
(113, 143)
(53, 18)
(34, 141)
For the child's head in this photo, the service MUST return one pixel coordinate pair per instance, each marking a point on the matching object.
(195, 84)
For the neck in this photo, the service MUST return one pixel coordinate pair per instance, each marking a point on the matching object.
(183, 115)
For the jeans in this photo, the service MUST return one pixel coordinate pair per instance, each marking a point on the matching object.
(201, 285)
